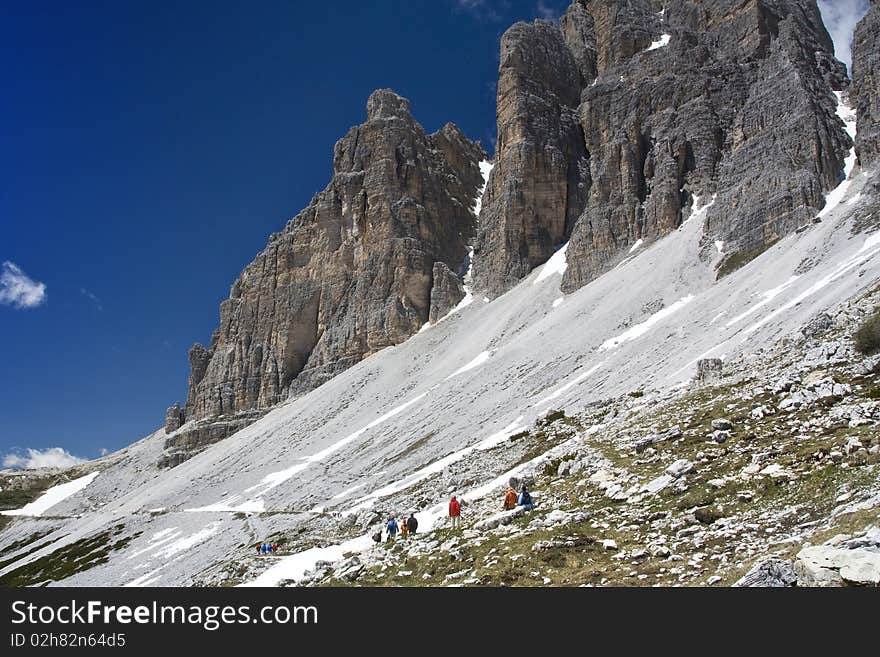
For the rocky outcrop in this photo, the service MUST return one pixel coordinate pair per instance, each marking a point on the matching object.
(772, 573)
(446, 292)
(824, 566)
(183, 445)
(678, 103)
(866, 85)
(354, 272)
(174, 418)
(540, 179)
(709, 370)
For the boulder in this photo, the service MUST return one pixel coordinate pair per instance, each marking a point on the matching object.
(769, 573)
(679, 468)
(499, 519)
(709, 370)
(823, 565)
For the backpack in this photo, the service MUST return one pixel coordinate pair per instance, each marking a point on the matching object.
(526, 498)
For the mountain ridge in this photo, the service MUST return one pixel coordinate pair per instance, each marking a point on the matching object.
(487, 386)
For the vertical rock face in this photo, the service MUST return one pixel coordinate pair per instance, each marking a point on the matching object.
(676, 101)
(352, 273)
(173, 418)
(541, 176)
(446, 292)
(866, 85)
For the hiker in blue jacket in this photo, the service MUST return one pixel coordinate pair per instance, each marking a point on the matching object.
(391, 528)
(525, 499)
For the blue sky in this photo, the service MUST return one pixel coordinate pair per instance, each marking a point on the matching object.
(148, 149)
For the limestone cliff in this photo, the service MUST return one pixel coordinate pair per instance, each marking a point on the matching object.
(614, 122)
(356, 271)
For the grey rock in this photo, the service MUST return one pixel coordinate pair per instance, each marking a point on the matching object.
(183, 445)
(499, 519)
(669, 434)
(658, 484)
(174, 418)
(446, 292)
(709, 370)
(825, 566)
(721, 436)
(353, 273)
(539, 184)
(722, 424)
(737, 106)
(679, 468)
(818, 325)
(775, 573)
(866, 85)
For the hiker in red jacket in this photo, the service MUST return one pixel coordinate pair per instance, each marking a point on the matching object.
(454, 511)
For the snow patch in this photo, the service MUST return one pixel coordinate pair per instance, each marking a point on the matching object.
(870, 248)
(274, 479)
(835, 196)
(557, 264)
(485, 169)
(189, 541)
(52, 496)
(569, 385)
(766, 298)
(662, 42)
(438, 466)
(635, 247)
(641, 329)
(251, 506)
(699, 211)
(476, 362)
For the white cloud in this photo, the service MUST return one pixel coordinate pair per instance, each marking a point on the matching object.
(19, 290)
(104, 451)
(484, 9)
(51, 457)
(546, 12)
(841, 17)
(93, 297)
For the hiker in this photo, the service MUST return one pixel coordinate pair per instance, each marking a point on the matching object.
(391, 528)
(412, 523)
(274, 548)
(525, 499)
(510, 499)
(404, 528)
(455, 512)
(259, 546)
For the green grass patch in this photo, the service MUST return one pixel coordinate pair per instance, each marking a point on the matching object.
(77, 557)
(867, 337)
(15, 497)
(740, 259)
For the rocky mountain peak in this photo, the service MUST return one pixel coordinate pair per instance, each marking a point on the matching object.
(386, 104)
(614, 125)
(373, 257)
